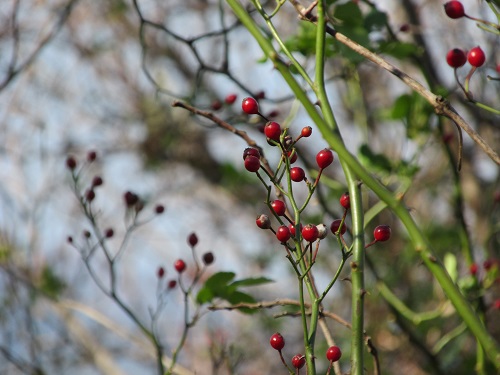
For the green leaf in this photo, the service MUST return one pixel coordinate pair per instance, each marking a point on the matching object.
(50, 283)
(252, 281)
(401, 107)
(240, 297)
(374, 161)
(349, 13)
(375, 20)
(216, 286)
(399, 50)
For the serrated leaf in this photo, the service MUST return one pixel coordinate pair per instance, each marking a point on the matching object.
(252, 281)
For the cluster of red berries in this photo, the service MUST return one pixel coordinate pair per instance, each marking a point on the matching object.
(333, 354)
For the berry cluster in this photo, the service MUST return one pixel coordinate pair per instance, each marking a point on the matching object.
(456, 57)
(300, 240)
(333, 354)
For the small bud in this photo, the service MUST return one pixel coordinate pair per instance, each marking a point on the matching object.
(90, 195)
(161, 272)
(109, 233)
(208, 258)
(91, 156)
(97, 181)
(71, 162)
(159, 209)
(172, 284)
(130, 198)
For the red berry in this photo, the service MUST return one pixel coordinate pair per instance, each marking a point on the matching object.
(404, 28)
(279, 207)
(334, 227)
(91, 156)
(345, 201)
(172, 283)
(306, 131)
(310, 233)
(283, 233)
(231, 98)
(292, 155)
(476, 57)
(333, 353)
(277, 341)
(272, 130)
(454, 9)
(161, 272)
(292, 229)
(208, 258)
(90, 195)
(496, 304)
(130, 198)
(473, 269)
(252, 163)
(456, 58)
(250, 106)
(298, 361)
(71, 162)
(297, 174)
(192, 239)
(324, 158)
(97, 181)
(159, 209)
(382, 233)
(497, 68)
(251, 151)
(180, 265)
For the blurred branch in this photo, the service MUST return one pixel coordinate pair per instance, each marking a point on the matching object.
(15, 66)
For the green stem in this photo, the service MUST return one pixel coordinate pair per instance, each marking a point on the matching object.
(491, 347)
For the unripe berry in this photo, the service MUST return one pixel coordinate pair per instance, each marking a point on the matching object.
(324, 158)
(297, 174)
(345, 201)
(252, 163)
(306, 131)
(263, 222)
(333, 353)
(454, 9)
(382, 233)
(208, 258)
(283, 233)
(322, 231)
(277, 341)
(310, 233)
(180, 265)
(278, 207)
(298, 361)
(250, 106)
(334, 227)
(476, 57)
(456, 58)
(231, 98)
(192, 239)
(272, 130)
(251, 151)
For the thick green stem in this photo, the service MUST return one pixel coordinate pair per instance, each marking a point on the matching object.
(491, 347)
